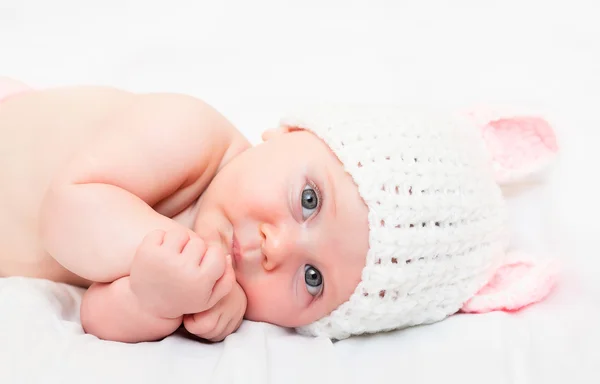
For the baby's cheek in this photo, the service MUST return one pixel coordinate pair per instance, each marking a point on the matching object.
(259, 303)
(271, 304)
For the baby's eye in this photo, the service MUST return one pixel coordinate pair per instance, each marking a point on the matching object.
(309, 201)
(313, 280)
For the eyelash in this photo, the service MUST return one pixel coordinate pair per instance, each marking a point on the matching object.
(319, 195)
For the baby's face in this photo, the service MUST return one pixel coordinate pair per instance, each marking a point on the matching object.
(296, 225)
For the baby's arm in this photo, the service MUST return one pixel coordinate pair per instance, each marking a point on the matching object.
(99, 208)
(172, 274)
(111, 311)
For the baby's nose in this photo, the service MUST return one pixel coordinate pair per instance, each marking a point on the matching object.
(277, 244)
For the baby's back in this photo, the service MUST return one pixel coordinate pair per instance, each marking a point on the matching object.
(39, 131)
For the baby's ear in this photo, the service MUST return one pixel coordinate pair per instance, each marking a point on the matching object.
(521, 281)
(521, 145)
(274, 132)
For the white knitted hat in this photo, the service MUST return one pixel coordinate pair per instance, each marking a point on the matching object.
(437, 219)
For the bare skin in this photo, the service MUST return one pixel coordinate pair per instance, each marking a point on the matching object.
(35, 146)
(42, 149)
(159, 204)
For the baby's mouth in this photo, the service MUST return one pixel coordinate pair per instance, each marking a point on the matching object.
(236, 257)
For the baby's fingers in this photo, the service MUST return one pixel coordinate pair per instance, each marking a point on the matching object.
(228, 326)
(195, 250)
(176, 240)
(213, 325)
(213, 265)
(223, 286)
(201, 324)
(154, 238)
(221, 331)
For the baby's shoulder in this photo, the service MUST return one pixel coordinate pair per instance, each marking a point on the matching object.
(189, 122)
(179, 111)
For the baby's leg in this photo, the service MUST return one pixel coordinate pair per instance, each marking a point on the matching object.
(10, 87)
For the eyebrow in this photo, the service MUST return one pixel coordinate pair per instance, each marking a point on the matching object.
(331, 195)
(330, 286)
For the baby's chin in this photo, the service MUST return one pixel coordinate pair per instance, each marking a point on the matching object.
(278, 322)
(275, 316)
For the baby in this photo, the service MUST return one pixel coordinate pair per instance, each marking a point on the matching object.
(345, 220)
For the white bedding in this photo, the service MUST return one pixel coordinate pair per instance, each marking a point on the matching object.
(251, 60)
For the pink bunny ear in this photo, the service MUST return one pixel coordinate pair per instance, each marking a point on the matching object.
(520, 282)
(520, 145)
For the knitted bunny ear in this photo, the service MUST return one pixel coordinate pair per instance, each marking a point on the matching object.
(521, 281)
(520, 145)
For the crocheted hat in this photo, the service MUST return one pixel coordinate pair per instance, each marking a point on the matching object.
(438, 240)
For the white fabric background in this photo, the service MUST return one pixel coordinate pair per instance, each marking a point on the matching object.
(252, 60)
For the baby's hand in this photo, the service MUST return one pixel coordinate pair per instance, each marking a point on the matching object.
(221, 320)
(175, 273)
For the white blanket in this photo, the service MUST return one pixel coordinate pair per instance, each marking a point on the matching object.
(252, 60)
